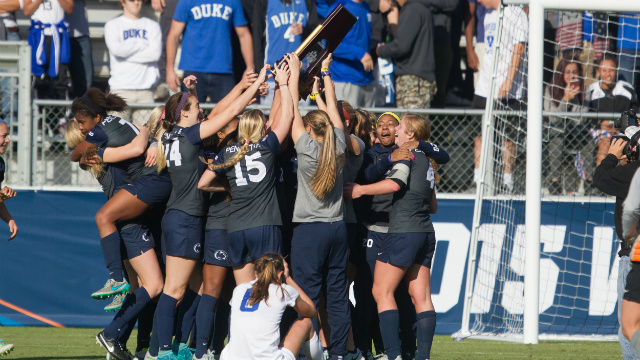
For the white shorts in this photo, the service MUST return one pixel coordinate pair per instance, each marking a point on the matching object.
(281, 354)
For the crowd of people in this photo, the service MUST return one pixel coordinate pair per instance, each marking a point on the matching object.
(199, 205)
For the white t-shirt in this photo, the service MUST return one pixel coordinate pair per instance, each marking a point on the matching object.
(515, 29)
(49, 12)
(254, 333)
(134, 47)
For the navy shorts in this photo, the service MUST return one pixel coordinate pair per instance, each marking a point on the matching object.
(406, 249)
(137, 240)
(216, 247)
(153, 189)
(248, 245)
(182, 234)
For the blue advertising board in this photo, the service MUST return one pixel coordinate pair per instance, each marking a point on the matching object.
(51, 268)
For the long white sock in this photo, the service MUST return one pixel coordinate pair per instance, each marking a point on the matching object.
(508, 181)
(312, 348)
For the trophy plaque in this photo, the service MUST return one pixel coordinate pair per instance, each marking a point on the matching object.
(324, 39)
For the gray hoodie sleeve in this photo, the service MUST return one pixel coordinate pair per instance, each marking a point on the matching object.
(631, 210)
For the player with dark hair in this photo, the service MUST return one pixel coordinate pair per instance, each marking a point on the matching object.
(249, 168)
(256, 311)
(183, 222)
(408, 248)
(146, 188)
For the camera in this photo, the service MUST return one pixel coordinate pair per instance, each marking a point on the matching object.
(627, 118)
(632, 148)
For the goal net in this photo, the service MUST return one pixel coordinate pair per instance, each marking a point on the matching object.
(544, 250)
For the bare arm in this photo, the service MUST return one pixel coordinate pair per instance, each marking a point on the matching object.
(304, 306)
(30, 6)
(67, 6)
(247, 80)
(209, 182)
(516, 60)
(9, 6)
(386, 186)
(213, 125)
(177, 27)
(133, 149)
(297, 129)
(285, 117)
(6, 217)
(330, 95)
(433, 207)
(246, 46)
(469, 27)
(76, 154)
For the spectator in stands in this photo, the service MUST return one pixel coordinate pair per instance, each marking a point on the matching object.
(166, 8)
(352, 66)
(81, 64)
(384, 16)
(412, 51)
(278, 28)
(443, 52)
(613, 177)
(50, 48)
(8, 24)
(568, 135)
(629, 46)
(206, 45)
(509, 82)
(322, 7)
(474, 22)
(608, 95)
(135, 45)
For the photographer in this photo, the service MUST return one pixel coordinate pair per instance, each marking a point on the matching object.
(613, 177)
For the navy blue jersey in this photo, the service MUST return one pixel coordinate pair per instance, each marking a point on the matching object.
(287, 182)
(252, 181)
(182, 149)
(279, 18)
(2, 169)
(112, 179)
(411, 204)
(218, 205)
(113, 131)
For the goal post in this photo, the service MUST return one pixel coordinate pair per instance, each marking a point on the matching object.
(508, 233)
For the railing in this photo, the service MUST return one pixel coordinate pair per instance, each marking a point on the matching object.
(454, 130)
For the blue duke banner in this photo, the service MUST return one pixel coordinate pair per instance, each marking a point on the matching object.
(55, 263)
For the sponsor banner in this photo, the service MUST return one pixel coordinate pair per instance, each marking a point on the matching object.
(55, 263)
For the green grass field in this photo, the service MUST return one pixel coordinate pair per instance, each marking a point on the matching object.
(80, 344)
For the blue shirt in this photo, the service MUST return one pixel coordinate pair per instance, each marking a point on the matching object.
(346, 66)
(594, 25)
(629, 31)
(280, 17)
(322, 8)
(481, 11)
(206, 43)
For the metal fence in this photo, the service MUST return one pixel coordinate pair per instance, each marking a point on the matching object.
(454, 130)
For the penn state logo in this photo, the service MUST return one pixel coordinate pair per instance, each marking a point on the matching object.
(220, 255)
(145, 237)
(196, 248)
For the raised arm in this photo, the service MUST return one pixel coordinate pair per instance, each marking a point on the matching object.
(330, 95)
(213, 125)
(297, 129)
(283, 124)
(248, 78)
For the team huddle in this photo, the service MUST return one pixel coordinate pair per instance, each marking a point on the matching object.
(330, 198)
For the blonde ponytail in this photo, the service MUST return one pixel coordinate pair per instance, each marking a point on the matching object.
(250, 130)
(73, 137)
(323, 178)
(161, 161)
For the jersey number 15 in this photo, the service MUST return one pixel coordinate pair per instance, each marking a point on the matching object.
(251, 163)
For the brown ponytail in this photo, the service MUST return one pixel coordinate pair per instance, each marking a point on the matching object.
(168, 123)
(95, 102)
(266, 267)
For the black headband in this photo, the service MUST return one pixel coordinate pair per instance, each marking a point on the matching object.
(93, 106)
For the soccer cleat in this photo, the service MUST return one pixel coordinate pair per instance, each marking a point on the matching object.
(166, 355)
(207, 356)
(185, 353)
(148, 356)
(113, 347)
(355, 355)
(116, 303)
(140, 354)
(325, 354)
(111, 288)
(5, 348)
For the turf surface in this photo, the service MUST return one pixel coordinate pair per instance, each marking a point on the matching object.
(80, 344)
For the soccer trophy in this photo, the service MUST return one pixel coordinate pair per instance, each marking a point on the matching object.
(324, 39)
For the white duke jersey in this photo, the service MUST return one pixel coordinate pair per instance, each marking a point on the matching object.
(254, 333)
(134, 47)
